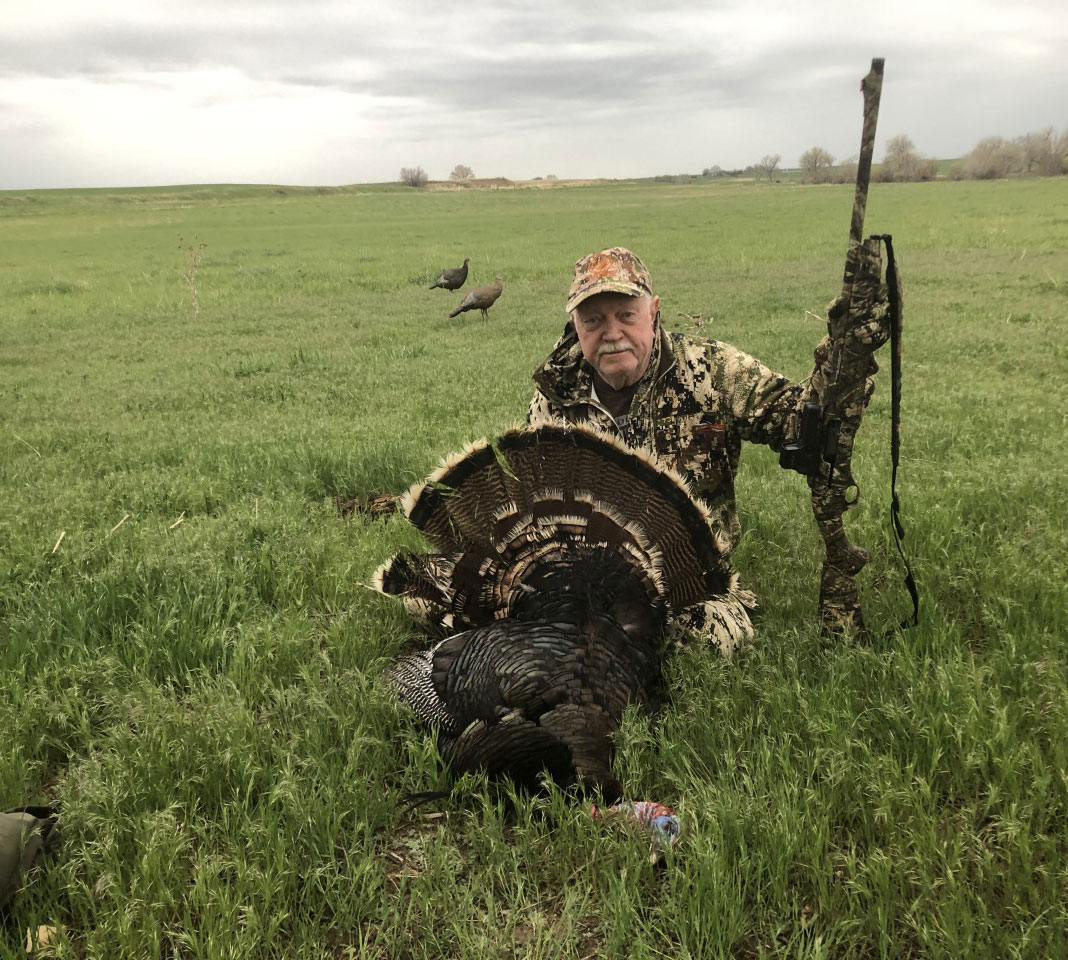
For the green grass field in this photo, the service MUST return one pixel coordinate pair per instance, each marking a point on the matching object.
(191, 663)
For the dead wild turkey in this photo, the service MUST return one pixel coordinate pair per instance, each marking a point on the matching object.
(451, 278)
(561, 553)
(481, 298)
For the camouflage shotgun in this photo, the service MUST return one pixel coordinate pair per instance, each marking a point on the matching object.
(838, 393)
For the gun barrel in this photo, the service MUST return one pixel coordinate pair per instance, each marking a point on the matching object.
(872, 87)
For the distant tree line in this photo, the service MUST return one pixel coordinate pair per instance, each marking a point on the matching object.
(1043, 153)
(461, 173)
(902, 163)
(717, 171)
(417, 176)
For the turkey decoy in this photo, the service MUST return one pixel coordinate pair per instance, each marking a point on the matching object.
(561, 552)
(451, 278)
(481, 298)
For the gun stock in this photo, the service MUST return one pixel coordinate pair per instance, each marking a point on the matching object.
(843, 382)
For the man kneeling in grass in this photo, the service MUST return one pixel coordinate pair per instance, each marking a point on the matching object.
(688, 401)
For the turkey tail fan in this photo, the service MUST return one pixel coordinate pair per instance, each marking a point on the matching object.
(627, 488)
(543, 496)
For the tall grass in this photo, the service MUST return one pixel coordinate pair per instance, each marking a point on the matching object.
(193, 669)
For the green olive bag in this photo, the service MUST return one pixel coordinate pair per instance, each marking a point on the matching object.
(27, 836)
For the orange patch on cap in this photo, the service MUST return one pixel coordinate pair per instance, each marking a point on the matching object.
(601, 267)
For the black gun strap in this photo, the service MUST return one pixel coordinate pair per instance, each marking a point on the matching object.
(893, 284)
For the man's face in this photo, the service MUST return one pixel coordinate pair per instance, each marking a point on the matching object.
(616, 335)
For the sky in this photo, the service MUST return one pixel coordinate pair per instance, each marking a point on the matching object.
(331, 92)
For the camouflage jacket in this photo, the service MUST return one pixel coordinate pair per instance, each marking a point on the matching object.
(692, 410)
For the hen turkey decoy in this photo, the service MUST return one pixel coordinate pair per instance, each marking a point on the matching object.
(560, 554)
(452, 278)
(481, 298)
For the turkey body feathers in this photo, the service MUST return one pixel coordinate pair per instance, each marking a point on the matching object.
(481, 298)
(523, 697)
(451, 278)
(561, 554)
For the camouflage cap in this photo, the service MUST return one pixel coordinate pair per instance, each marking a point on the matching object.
(615, 270)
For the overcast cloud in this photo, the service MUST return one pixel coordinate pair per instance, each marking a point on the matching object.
(320, 92)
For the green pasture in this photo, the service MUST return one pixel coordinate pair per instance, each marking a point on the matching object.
(191, 663)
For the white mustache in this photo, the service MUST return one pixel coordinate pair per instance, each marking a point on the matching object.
(620, 347)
